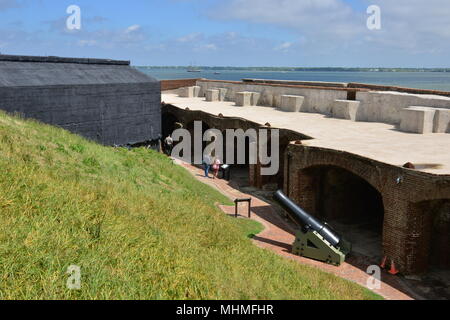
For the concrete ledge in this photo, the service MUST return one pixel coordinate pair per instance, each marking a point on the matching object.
(244, 99)
(345, 109)
(196, 91)
(255, 98)
(301, 83)
(417, 119)
(222, 93)
(187, 92)
(442, 121)
(291, 103)
(212, 95)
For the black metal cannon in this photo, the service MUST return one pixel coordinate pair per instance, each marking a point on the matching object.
(315, 240)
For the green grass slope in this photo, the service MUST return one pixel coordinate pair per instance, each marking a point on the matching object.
(139, 227)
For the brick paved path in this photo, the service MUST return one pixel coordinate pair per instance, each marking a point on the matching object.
(278, 237)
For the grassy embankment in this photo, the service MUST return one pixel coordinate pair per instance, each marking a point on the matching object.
(138, 226)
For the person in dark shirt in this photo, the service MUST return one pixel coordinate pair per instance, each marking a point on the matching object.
(207, 162)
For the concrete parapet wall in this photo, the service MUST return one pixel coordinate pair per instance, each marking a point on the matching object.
(243, 99)
(292, 103)
(212, 95)
(345, 109)
(417, 120)
(301, 83)
(317, 100)
(374, 106)
(442, 121)
(387, 107)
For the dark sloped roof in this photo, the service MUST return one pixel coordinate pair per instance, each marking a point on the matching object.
(18, 71)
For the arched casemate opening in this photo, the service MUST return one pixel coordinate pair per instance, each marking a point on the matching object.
(348, 203)
(169, 124)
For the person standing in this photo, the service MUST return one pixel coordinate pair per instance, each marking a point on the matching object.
(207, 161)
(216, 167)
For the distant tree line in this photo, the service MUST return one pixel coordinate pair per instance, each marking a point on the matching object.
(287, 69)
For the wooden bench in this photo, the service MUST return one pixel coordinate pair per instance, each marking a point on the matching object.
(249, 201)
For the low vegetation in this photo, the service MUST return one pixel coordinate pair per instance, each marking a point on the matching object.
(139, 227)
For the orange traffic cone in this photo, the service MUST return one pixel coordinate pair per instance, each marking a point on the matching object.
(383, 263)
(393, 270)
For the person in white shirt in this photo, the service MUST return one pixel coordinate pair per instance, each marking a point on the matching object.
(169, 145)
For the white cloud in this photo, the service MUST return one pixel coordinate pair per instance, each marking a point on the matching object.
(310, 17)
(195, 36)
(208, 46)
(87, 43)
(133, 28)
(285, 46)
(416, 26)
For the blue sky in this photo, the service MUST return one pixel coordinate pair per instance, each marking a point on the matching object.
(414, 33)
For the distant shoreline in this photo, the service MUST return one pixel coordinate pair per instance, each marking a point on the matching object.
(296, 69)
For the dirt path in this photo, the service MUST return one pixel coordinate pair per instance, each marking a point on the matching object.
(278, 237)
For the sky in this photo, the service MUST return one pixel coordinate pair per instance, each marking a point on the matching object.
(293, 33)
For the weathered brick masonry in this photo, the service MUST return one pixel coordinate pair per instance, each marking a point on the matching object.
(179, 83)
(413, 201)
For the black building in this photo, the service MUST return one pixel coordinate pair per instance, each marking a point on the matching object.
(106, 101)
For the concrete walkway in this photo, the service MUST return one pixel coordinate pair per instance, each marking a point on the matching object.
(278, 237)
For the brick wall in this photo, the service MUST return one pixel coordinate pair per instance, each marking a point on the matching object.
(175, 84)
(407, 224)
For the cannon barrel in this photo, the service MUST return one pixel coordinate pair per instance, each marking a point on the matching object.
(304, 219)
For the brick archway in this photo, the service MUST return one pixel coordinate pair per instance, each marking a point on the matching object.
(169, 123)
(345, 200)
